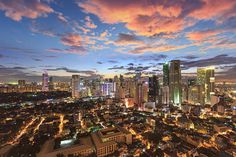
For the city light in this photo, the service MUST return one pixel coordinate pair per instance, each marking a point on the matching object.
(119, 78)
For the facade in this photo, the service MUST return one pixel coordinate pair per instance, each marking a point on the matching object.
(209, 84)
(206, 79)
(51, 85)
(106, 140)
(195, 94)
(45, 86)
(175, 82)
(139, 95)
(21, 82)
(166, 74)
(153, 93)
(107, 89)
(75, 86)
(84, 148)
(165, 95)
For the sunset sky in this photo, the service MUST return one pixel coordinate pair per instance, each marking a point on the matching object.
(109, 37)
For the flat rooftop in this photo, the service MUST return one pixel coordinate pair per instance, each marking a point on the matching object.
(109, 131)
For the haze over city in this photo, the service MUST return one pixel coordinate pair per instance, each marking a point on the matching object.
(109, 78)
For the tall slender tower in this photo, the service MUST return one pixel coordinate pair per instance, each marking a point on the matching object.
(206, 79)
(45, 82)
(51, 85)
(175, 82)
(165, 74)
(153, 93)
(75, 82)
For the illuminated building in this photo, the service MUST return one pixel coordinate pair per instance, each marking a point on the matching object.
(206, 78)
(175, 82)
(195, 94)
(209, 84)
(45, 82)
(165, 95)
(21, 82)
(149, 106)
(107, 89)
(106, 141)
(192, 82)
(75, 86)
(165, 74)
(130, 88)
(141, 94)
(84, 148)
(153, 93)
(129, 102)
(51, 85)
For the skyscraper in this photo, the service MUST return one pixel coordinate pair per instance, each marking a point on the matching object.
(206, 78)
(45, 81)
(165, 74)
(75, 83)
(210, 84)
(139, 94)
(175, 82)
(51, 86)
(21, 82)
(153, 93)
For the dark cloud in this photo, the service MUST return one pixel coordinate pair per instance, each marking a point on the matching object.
(37, 59)
(217, 60)
(19, 68)
(153, 57)
(113, 61)
(99, 62)
(116, 68)
(17, 49)
(13, 73)
(127, 39)
(227, 74)
(86, 72)
(51, 56)
(190, 57)
(131, 68)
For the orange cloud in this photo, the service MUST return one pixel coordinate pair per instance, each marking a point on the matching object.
(148, 18)
(157, 48)
(145, 18)
(16, 9)
(72, 40)
(201, 35)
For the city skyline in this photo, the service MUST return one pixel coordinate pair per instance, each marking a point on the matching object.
(102, 37)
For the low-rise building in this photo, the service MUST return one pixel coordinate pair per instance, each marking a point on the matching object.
(106, 140)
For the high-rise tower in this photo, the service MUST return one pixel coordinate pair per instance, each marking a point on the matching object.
(175, 82)
(153, 92)
(45, 82)
(75, 86)
(206, 79)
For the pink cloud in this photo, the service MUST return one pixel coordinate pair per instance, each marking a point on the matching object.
(16, 9)
(201, 35)
(89, 23)
(148, 18)
(157, 48)
(74, 40)
(145, 18)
